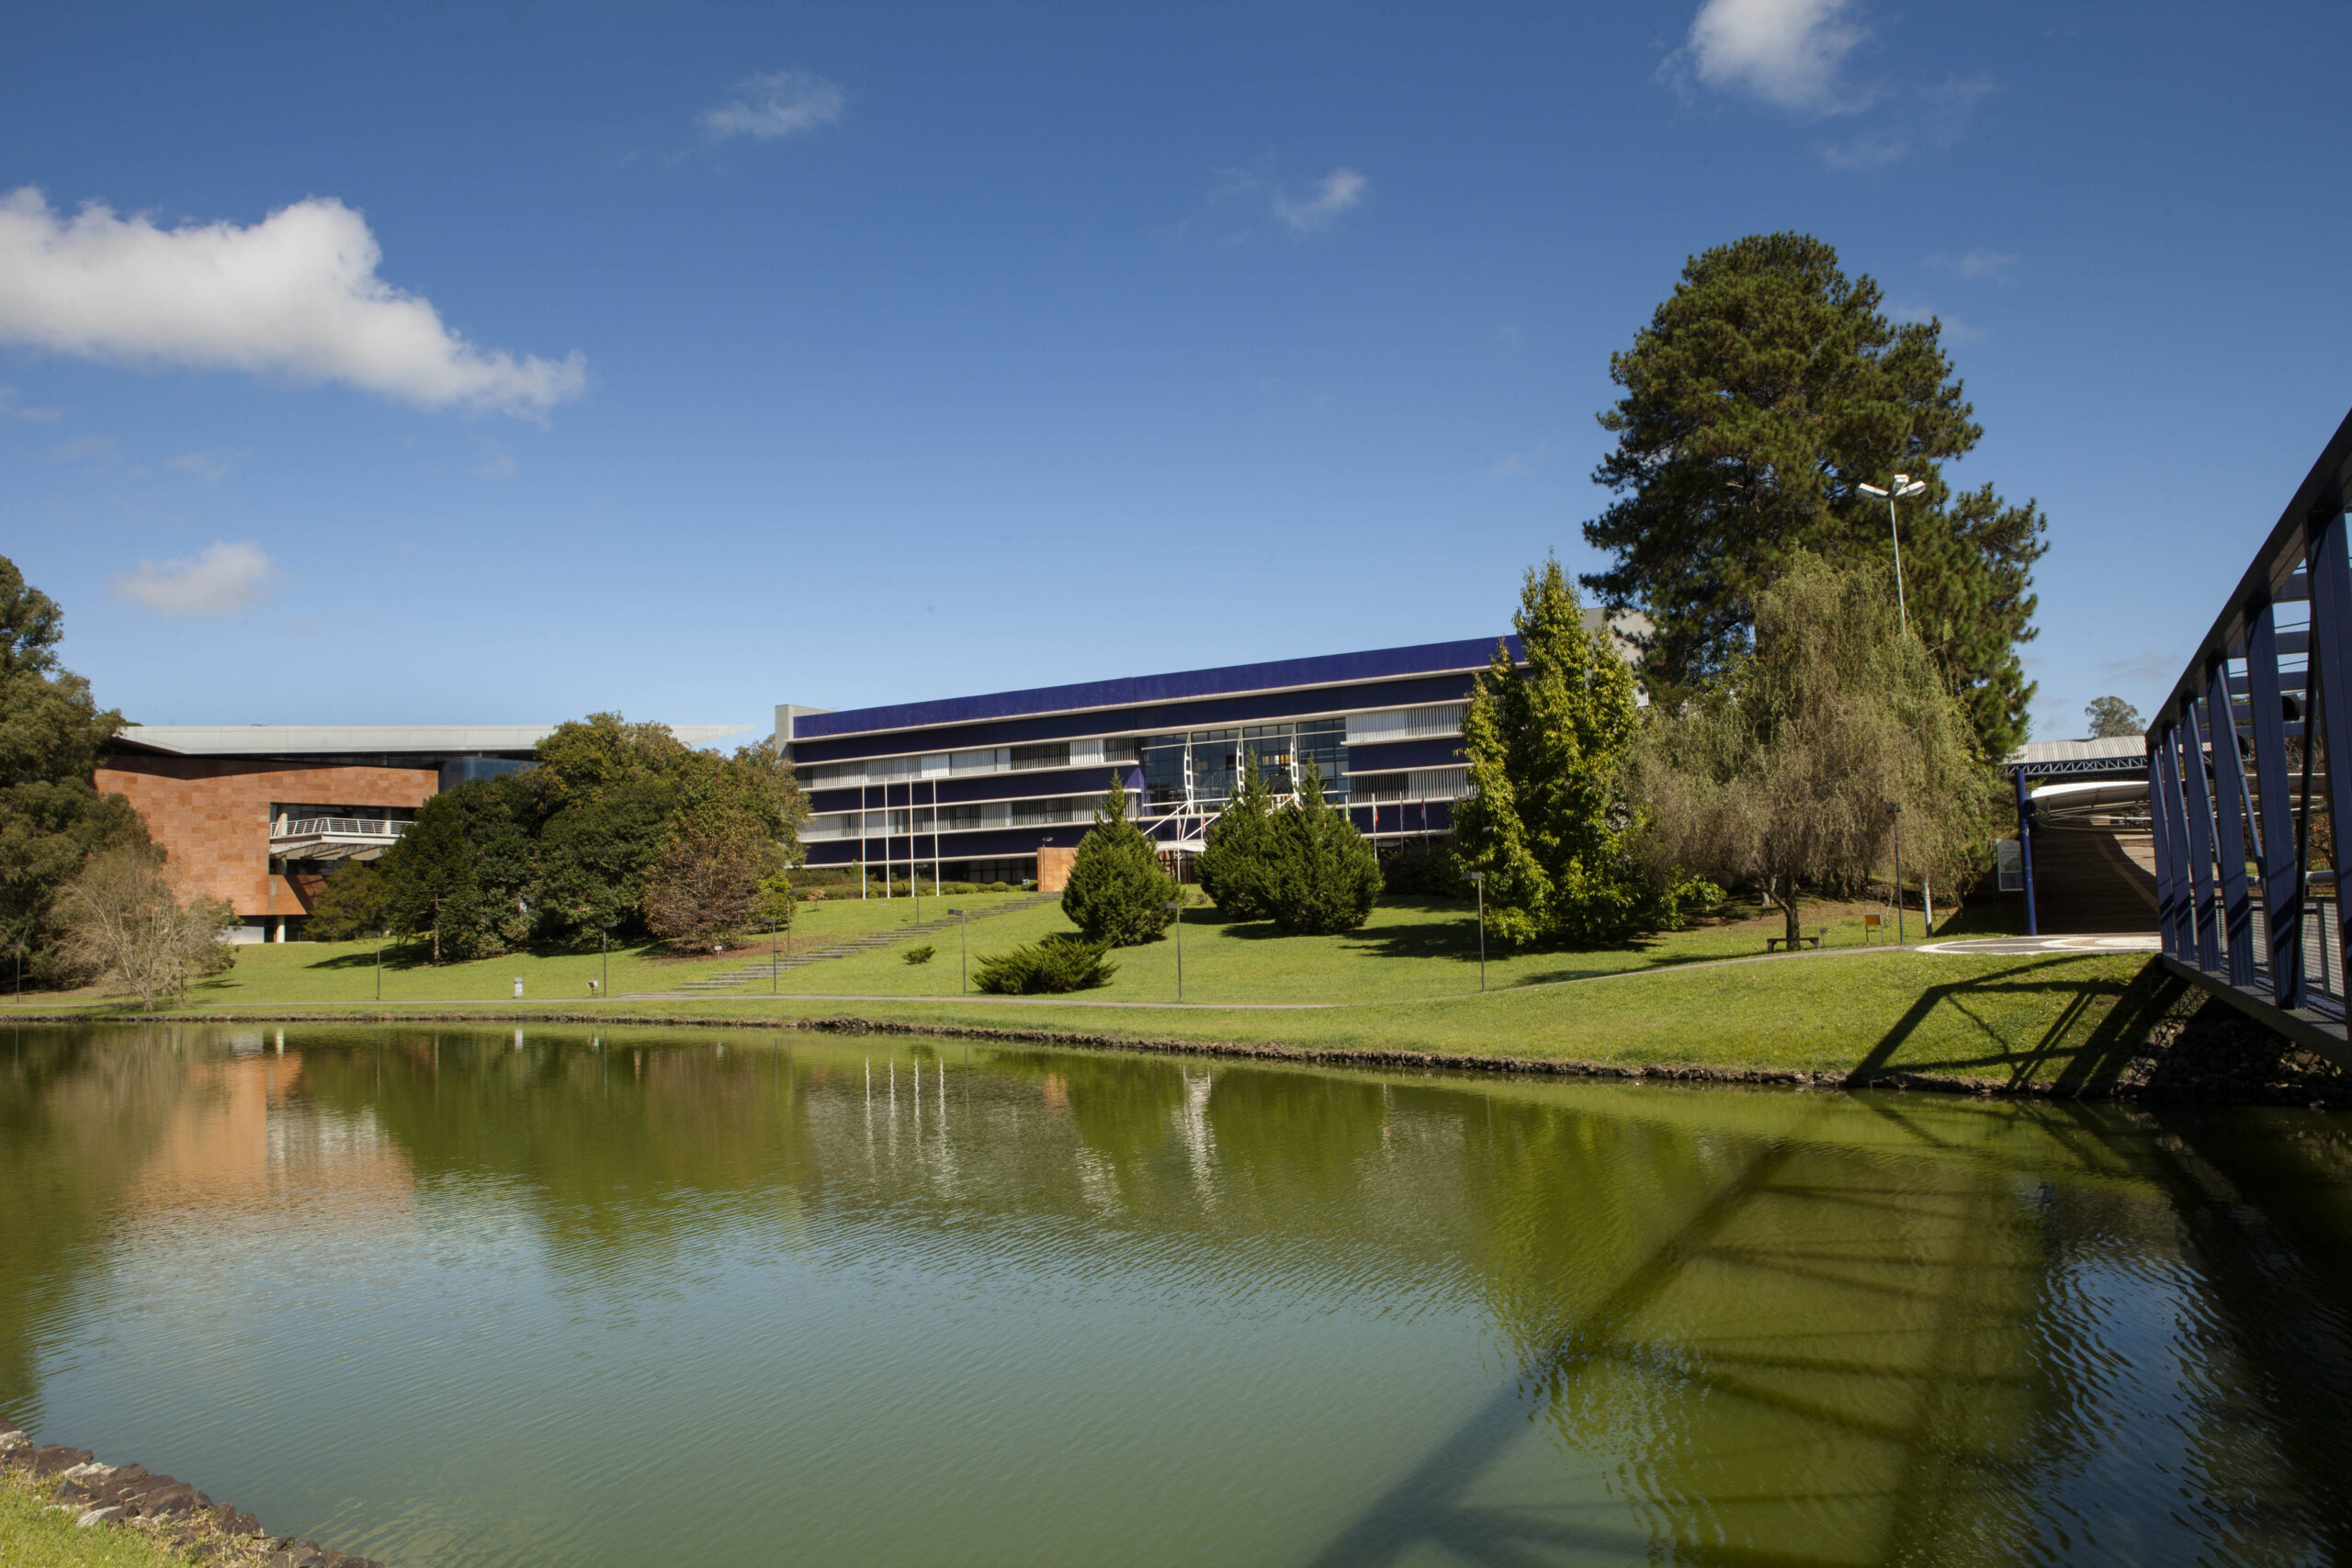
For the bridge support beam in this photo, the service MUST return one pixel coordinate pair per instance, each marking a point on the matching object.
(2331, 664)
(2229, 828)
(2283, 879)
(2301, 1025)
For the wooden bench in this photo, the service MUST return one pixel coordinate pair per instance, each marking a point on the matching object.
(1774, 944)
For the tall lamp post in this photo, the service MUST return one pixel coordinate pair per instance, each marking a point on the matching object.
(963, 951)
(604, 956)
(1904, 485)
(1478, 879)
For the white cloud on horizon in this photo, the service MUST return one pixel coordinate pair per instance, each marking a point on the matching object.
(211, 467)
(221, 580)
(777, 103)
(1788, 52)
(295, 294)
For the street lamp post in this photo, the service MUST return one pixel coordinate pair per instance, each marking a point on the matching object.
(379, 966)
(772, 980)
(1478, 879)
(1904, 485)
(963, 951)
(604, 956)
(1895, 809)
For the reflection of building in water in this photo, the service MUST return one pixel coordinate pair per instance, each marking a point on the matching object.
(246, 1130)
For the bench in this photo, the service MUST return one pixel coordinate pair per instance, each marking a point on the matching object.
(1774, 944)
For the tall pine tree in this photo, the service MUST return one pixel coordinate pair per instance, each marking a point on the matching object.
(1759, 400)
(1549, 819)
(1116, 892)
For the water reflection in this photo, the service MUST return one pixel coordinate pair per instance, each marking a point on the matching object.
(938, 1302)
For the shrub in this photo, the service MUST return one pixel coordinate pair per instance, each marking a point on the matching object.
(1234, 867)
(923, 955)
(350, 904)
(1065, 962)
(1117, 894)
(1322, 877)
(1424, 867)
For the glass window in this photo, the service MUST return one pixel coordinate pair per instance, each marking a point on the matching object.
(1324, 741)
(1163, 768)
(1215, 755)
(1030, 813)
(1376, 787)
(1123, 749)
(1053, 754)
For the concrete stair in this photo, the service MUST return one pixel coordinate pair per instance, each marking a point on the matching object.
(707, 985)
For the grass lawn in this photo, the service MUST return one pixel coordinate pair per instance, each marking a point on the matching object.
(34, 1534)
(1408, 982)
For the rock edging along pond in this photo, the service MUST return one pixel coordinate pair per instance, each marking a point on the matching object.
(2189, 1049)
(172, 1510)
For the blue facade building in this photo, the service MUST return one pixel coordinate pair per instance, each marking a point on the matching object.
(972, 788)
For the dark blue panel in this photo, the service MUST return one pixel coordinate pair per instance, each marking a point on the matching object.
(1444, 751)
(1335, 669)
(1156, 719)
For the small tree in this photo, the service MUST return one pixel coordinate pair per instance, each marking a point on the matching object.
(1779, 773)
(1322, 876)
(351, 903)
(1116, 892)
(124, 922)
(2113, 719)
(1550, 819)
(430, 886)
(1233, 867)
(705, 881)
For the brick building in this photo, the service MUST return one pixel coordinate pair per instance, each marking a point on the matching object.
(259, 814)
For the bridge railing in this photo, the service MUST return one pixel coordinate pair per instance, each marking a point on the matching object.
(2249, 756)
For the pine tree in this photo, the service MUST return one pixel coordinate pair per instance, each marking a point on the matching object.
(1322, 876)
(1759, 400)
(1116, 891)
(1233, 867)
(430, 884)
(1549, 819)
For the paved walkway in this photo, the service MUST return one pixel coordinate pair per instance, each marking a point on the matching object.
(2149, 943)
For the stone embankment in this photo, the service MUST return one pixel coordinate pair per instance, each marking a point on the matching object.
(175, 1513)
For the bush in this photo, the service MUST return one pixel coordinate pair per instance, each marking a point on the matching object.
(1063, 963)
(1117, 894)
(350, 904)
(1323, 877)
(923, 955)
(1425, 867)
(1234, 867)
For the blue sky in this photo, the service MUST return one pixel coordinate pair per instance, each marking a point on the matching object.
(707, 359)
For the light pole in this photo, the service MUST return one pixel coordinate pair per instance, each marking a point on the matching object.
(1478, 879)
(1178, 906)
(1895, 809)
(1904, 485)
(604, 956)
(772, 980)
(963, 951)
(379, 966)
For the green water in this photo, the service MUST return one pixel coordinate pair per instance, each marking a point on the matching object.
(480, 1298)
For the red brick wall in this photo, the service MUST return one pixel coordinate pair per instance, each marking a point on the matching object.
(212, 815)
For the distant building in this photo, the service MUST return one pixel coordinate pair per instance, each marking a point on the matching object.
(259, 814)
(1002, 788)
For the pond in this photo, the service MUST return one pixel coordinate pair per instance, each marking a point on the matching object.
(476, 1297)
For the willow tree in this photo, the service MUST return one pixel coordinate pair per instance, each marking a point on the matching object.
(1779, 773)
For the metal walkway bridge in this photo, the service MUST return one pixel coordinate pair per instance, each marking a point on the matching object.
(2249, 772)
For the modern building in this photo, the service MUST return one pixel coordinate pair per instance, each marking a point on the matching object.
(259, 814)
(1002, 788)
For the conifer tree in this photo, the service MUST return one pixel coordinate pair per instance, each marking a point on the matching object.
(1116, 891)
(1322, 876)
(1240, 847)
(1549, 819)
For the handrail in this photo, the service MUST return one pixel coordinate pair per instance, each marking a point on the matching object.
(344, 827)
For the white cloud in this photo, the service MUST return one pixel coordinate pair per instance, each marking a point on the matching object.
(1512, 466)
(211, 467)
(1338, 191)
(296, 293)
(1953, 330)
(1871, 150)
(86, 448)
(1785, 51)
(496, 463)
(11, 409)
(223, 579)
(1978, 264)
(779, 104)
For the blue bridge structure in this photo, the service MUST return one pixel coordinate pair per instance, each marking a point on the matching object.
(2249, 773)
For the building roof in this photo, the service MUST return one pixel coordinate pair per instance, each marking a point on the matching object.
(437, 740)
(1137, 690)
(2034, 751)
